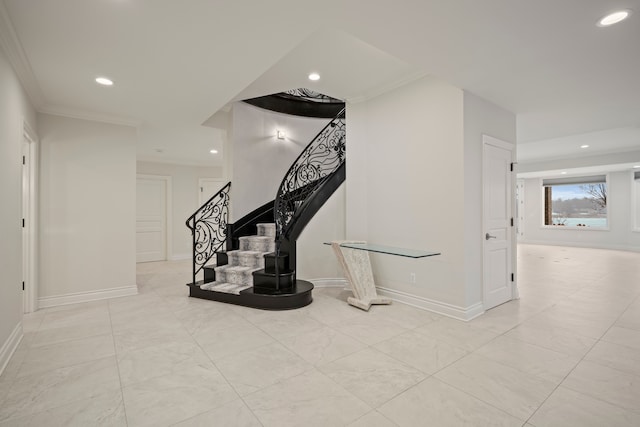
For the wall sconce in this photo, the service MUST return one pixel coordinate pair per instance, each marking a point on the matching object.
(280, 134)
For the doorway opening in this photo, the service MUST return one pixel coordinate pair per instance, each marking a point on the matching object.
(29, 219)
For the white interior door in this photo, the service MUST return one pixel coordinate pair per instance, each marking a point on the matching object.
(497, 201)
(207, 188)
(151, 219)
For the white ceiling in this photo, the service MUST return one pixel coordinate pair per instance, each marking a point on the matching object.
(580, 171)
(601, 142)
(176, 63)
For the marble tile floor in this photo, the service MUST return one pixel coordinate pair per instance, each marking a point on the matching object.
(566, 354)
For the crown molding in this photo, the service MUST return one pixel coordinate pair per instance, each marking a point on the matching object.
(12, 47)
(388, 87)
(56, 110)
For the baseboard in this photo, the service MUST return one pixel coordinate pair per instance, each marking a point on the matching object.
(581, 245)
(10, 345)
(449, 310)
(329, 283)
(179, 257)
(80, 297)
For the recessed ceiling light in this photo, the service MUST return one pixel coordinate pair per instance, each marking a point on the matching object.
(213, 151)
(584, 146)
(104, 81)
(614, 18)
(314, 76)
(563, 173)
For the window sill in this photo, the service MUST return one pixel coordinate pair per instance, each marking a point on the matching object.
(564, 227)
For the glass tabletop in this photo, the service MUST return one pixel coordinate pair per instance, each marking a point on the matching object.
(409, 253)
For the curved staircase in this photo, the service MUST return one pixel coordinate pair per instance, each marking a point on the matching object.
(257, 266)
(249, 276)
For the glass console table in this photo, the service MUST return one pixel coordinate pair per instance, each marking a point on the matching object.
(390, 250)
(353, 256)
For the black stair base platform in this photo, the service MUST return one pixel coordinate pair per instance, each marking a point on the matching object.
(296, 297)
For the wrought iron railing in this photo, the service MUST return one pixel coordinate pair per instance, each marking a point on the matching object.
(323, 156)
(209, 228)
(310, 95)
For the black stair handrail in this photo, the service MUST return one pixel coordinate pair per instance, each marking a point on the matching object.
(299, 102)
(208, 227)
(315, 200)
(318, 161)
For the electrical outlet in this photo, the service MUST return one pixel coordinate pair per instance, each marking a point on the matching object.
(412, 278)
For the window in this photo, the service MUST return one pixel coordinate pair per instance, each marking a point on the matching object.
(636, 200)
(576, 202)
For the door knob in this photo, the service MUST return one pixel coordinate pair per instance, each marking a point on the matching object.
(489, 236)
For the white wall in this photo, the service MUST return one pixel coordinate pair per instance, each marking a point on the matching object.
(480, 118)
(87, 201)
(14, 108)
(315, 260)
(405, 188)
(620, 234)
(260, 161)
(184, 182)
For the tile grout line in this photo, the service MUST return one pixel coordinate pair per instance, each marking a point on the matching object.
(473, 352)
(371, 412)
(581, 360)
(115, 351)
(47, 371)
(504, 334)
(223, 376)
(472, 396)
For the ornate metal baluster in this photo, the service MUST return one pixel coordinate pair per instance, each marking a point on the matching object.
(209, 228)
(310, 95)
(323, 156)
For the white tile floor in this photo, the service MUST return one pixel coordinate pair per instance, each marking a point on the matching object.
(566, 354)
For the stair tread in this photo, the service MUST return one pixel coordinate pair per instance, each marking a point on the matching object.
(263, 238)
(238, 268)
(250, 252)
(241, 251)
(227, 288)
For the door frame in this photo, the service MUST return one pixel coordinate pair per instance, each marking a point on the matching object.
(168, 226)
(490, 140)
(30, 193)
(200, 183)
(520, 209)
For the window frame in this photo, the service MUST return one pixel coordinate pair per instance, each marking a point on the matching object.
(556, 227)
